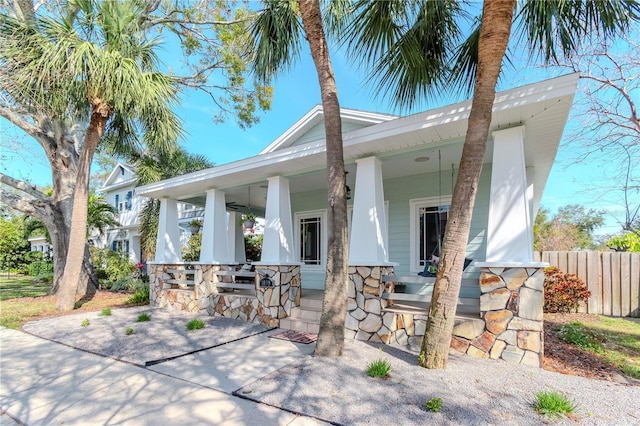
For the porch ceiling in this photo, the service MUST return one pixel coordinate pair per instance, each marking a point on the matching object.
(541, 107)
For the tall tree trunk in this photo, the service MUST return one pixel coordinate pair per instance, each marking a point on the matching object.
(331, 337)
(88, 283)
(64, 169)
(77, 236)
(497, 17)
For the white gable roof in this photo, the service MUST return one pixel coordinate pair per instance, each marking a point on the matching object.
(121, 173)
(315, 117)
(542, 107)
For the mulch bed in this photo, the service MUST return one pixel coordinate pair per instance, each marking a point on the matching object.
(565, 358)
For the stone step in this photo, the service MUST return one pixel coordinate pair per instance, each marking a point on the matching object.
(299, 325)
(306, 313)
(312, 303)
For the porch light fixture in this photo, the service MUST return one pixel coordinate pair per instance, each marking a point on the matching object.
(347, 190)
(421, 159)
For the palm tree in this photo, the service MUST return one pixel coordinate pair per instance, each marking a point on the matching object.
(153, 168)
(549, 29)
(97, 70)
(277, 31)
(100, 214)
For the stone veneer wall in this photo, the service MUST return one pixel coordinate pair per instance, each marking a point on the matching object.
(162, 295)
(268, 306)
(365, 307)
(510, 327)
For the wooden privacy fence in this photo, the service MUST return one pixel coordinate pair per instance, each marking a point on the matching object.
(613, 278)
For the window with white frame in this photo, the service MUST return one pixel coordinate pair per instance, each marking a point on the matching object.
(120, 246)
(311, 238)
(124, 201)
(428, 220)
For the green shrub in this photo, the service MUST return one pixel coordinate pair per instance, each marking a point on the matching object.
(379, 368)
(105, 312)
(576, 334)
(40, 267)
(191, 252)
(195, 324)
(553, 404)
(143, 317)
(129, 331)
(141, 295)
(562, 291)
(111, 267)
(434, 405)
(85, 323)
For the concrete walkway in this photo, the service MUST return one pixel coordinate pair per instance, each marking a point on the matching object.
(46, 383)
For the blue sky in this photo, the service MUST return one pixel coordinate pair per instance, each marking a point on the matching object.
(295, 93)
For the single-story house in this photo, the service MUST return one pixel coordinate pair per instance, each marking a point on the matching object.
(400, 172)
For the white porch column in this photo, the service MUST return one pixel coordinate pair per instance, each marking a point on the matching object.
(235, 237)
(510, 228)
(215, 247)
(368, 240)
(278, 244)
(168, 240)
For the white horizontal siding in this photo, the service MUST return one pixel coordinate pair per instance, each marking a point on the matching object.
(398, 192)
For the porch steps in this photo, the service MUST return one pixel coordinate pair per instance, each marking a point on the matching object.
(305, 317)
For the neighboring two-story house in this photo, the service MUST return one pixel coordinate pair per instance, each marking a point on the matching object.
(118, 190)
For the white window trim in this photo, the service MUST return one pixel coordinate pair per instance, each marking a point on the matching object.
(298, 216)
(414, 205)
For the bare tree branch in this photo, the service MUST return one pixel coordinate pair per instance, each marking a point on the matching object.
(22, 186)
(37, 208)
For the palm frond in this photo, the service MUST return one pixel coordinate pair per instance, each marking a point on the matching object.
(276, 34)
(407, 45)
(558, 28)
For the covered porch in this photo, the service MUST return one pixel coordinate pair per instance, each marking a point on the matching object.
(400, 172)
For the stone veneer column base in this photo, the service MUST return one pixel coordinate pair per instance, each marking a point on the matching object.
(511, 318)
(163, 295)
(365, 319)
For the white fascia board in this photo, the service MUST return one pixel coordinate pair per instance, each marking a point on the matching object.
(509, 99)
(307, 121)
(447, 115)
(106, 184)
(120, 185)
(314, 116)
(281, 155)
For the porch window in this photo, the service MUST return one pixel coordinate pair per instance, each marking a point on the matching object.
(312, 238)
(428, 222)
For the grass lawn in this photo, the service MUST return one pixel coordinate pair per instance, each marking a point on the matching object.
(617, 340)
(22, 301)
(21, 286)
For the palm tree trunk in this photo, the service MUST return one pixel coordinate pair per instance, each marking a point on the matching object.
(497, 17)
(331, 337)
(78, 233)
